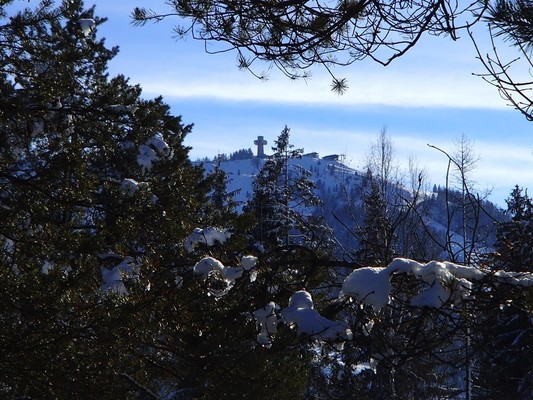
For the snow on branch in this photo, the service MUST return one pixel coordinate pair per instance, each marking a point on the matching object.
(208, 236)
(87, 25)
(152, 151)
(300, 315)
(442, 283)
(266, 319)
(223, 278)
(113, 278)
(447, 282)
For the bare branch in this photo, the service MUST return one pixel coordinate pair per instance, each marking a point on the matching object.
(295, 35)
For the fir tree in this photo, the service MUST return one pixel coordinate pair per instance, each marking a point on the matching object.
(282, 195)
(374, 234)
(97, 200)
(505, 351)
(514, 237)
(97, 194)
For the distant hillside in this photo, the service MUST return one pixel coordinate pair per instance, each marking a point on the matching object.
(341, 189)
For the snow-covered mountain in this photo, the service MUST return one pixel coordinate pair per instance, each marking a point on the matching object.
(342, 188)
(327, 172)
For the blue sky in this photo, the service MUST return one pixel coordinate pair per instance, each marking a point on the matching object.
(428, 96)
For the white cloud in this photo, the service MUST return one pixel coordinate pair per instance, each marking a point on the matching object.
(414, 89)
(436, 75)
(437, 72)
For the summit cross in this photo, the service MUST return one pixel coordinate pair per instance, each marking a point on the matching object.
(260, 142)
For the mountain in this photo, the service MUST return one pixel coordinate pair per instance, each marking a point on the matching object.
(436, 224)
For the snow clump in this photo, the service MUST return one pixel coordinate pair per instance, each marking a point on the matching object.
(48, 267)
(266, 320)
(153, 150)
(368, 285)
(301, 314)
(86, 25)
(121, 108)
(128, 187)
(207, 236)
(248, 262)
(159, 145)
(222, 278)
(208, 266)
(113, 278)
(515, 278)
(446, 282)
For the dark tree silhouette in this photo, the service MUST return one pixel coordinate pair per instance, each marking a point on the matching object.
(295, 35)
(512, 21)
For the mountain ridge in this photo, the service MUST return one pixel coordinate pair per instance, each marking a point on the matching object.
(342, 190)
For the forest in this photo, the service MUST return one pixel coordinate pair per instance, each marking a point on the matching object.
(127, 271)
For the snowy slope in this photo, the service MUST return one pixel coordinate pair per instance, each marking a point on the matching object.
(341, 188)
(328, 175)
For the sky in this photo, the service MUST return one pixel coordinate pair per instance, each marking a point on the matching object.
(428, 96)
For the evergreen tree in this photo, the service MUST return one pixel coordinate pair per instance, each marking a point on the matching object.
(282, 199)
(375, 233)
(514, 238)
(97, 201)
(505, 353)
(243, 154)
(97, 195)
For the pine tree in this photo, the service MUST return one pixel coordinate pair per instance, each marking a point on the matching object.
(96, 195)
(505, 360)
(514, 238)
(374, 234)
(97, 200)
(282, 195)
